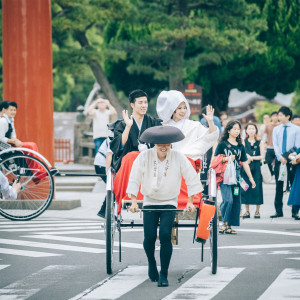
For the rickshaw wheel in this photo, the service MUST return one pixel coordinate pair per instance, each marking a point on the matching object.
(213, 240)
(37, 187)
(110, 228)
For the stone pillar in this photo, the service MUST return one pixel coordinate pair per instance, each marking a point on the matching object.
(27, 70)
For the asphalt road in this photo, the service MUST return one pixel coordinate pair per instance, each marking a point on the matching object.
(64, 258)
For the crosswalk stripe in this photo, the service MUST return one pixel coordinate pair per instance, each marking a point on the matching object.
(35, 282)
(296, 258)
(26, 253)
(204, 285)
(285, 286)
(50, 246)
(46, 229)
(4, 266)
(117, 285)
(271, 232)
(71, 231)
(266, 246)
(83, 240)
(37, 221)
(51, 225)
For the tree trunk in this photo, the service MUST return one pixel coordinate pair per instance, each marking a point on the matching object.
(100, 75)
(176, 65)
(217, 98)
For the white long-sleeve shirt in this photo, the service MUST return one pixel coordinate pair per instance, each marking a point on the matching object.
(162, 188)
(7, 191)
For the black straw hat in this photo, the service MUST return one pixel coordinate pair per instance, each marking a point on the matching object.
(162, 135)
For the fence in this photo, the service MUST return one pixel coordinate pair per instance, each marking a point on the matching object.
(62, 150)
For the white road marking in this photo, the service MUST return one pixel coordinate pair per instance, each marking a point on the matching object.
(32, 284)
(50, 246)
(266, 246)
(295, 258)
(271, 232)
(204, 285)
(51, 225)
(71, 231)
(4, 266)
(285, 286)
(27, 253)
(117, 285)
(48, 229)
(83, 240)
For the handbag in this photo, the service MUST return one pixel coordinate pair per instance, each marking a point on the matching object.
(230, 173)
(266, 174)
(282, 173)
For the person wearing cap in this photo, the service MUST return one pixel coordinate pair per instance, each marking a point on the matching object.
(173, 108)
(159, 171)
(128, 130)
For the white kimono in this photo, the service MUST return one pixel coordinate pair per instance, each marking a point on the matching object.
(197, 140)
(144, 172)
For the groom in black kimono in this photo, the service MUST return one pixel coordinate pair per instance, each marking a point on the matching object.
(128, 131)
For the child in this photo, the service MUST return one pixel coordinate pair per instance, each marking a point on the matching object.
(159, 172)
(231, 146)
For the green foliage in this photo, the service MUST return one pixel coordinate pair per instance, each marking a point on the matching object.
(265, 108)
(296, 100)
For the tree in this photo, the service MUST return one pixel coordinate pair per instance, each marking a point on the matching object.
(77, 20)
(172, 40)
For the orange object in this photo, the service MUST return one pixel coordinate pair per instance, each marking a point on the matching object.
(205, 222)
(27, 70)
(122, 178)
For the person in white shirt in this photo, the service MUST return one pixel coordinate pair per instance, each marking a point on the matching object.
(100, 110)
(159, 172)
(9, 192)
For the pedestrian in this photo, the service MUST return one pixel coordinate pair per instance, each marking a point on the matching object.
(100, 110)
(2, 107)
(159, 172)
(254, 148)
(296, 120)
(286, 137)
(102, 163)
(7, 191)
(224, 120)
(266, 121)
(294, 198)
(232, 148)
(267, 138)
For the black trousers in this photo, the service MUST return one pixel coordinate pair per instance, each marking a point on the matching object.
(270, 157)
(166, 219)
(279, 184)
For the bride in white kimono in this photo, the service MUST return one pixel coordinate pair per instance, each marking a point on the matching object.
(173, 108)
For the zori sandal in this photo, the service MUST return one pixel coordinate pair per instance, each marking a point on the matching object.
(223, 229)
(246, 215)
(229, 230)
(257, 215)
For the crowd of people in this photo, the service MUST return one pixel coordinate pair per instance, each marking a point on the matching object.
(150, 159)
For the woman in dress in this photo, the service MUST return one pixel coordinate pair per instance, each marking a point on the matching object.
(231, 147)
(174, 110)
(254, 148)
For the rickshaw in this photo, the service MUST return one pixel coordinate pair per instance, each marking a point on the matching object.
(114, 222)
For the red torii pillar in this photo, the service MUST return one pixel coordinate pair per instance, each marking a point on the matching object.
(27, 70)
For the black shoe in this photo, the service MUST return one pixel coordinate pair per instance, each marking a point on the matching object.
(162, 281)
(277, 215)
(296, 217)
(101, 212)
